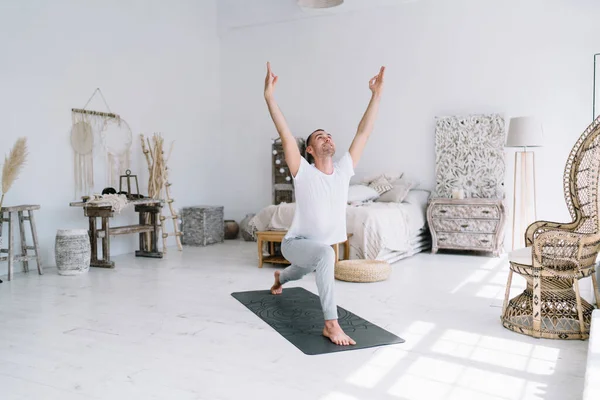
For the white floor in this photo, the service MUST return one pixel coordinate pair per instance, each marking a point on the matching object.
(169, 329)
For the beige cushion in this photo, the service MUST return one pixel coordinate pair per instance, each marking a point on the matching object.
(397, 194)
(381, 185)
(521, 256)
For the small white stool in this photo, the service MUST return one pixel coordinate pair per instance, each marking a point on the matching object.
(72, 251)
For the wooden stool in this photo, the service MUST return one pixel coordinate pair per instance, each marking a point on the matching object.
(24, 257)
(273, 237)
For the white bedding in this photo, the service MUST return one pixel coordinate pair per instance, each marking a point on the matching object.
(378, 228)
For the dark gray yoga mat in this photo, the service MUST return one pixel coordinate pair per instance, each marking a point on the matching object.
(296, 314)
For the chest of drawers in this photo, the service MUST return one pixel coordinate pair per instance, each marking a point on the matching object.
(466, 224)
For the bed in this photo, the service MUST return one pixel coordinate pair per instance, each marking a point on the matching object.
(389, 231)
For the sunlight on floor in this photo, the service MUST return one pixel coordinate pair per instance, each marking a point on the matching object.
(491, 292)
(434, 379)
(479, 274)
(370, 374)
(427, 378)
(501, 277)
(495, 288)
(338, 396)
(384, 360)
(475, 277)
(415, 332)
(494, 262)
(535, 359)
(461, 365)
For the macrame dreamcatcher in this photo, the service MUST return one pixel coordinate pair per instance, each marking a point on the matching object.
(82, 141)
(116, 140)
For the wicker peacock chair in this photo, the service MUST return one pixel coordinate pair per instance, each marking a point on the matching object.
(558, 255)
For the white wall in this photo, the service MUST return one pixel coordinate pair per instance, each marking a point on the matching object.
(164, 69)
(443, 57)
(156, 63)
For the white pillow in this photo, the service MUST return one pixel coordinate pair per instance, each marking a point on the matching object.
(418, 196)
(358, 193)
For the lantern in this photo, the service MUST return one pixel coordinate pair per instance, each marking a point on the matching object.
(128, 176)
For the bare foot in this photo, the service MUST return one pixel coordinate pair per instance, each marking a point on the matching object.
(276, 288)
(334, 332)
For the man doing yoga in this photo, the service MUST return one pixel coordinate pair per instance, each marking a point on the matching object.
(321, 196)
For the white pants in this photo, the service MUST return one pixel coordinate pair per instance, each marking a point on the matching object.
(306, 256)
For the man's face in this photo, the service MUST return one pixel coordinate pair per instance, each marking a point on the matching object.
(321, 144)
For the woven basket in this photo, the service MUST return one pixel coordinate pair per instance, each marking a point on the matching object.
(362, 270)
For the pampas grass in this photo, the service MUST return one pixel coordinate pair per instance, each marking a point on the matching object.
(13, 165)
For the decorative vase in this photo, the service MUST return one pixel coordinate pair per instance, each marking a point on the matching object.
(246, 234)
(72, 251)
(231, 229)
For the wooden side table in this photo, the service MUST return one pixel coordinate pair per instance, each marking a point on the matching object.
(273, 237)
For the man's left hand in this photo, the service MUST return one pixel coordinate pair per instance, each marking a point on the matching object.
(376, 83)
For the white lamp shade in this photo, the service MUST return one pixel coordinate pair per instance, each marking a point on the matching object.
(524, 132)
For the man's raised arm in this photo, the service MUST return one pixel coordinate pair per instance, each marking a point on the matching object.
(290, 147)
(368, 120)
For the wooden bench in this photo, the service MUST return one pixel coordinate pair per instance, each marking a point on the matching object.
(273, 237)
(147, 208)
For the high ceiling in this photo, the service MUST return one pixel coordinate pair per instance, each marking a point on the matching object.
(239, 13)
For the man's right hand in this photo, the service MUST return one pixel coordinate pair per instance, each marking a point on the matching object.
(290, 147)
(270, 81)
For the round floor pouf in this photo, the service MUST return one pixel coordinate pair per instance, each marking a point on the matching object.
(362, 270)
(72, 251)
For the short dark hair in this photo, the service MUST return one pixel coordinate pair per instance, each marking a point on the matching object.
(309, 157)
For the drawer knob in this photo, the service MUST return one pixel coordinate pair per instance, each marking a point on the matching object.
(464, 226)
(442, 211)
(486, 211)
(484, 241)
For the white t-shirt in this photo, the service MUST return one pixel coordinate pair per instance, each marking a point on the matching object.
(321, 199)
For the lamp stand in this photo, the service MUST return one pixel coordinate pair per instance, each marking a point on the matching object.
(527, 174)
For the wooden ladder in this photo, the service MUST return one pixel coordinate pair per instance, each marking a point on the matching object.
(157, 166)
